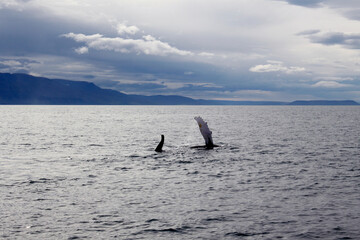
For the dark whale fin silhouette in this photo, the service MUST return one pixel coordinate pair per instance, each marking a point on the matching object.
(160, 145)
(206, 133)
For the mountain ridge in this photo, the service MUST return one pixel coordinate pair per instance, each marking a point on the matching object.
(24, 89)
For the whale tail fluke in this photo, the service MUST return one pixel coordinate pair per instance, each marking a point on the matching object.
(160, 145)
(205, 132)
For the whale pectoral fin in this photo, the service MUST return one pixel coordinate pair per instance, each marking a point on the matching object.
(205, 132)
(160, 145)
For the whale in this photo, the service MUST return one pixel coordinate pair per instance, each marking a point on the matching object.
(205, 132)
(161, 144)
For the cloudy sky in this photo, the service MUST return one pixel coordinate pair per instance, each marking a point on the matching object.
(230, 49)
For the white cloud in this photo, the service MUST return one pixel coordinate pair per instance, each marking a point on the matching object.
(206, 54)
(253, 92)
(337, 79)
(149, 38)
(11, 4)
(82, 50)
(147, 45)
(11, 63)
(16, 64)
(330, 84)
(173, 85)
(123, 29)
(276, 66)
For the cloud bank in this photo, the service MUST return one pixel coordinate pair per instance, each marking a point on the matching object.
(276, 66)
(211, 49)
(330, 84)
(148, 44)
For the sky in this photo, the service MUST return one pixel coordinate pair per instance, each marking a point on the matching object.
(268, 50)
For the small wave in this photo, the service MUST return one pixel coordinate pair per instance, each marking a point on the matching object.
(67, 145)
(122, 169)
(219, 175)
(179, 230)
(233, 148)
(74, 237)
(265, 152)
(104, 215)
(184, 162)
(308, 235)
(44, 181)
(244, 234)
(40, 199)
(216, 219)
(238, 234)
(90, 160)
(152, 220)
(40, 180)
(95, 145)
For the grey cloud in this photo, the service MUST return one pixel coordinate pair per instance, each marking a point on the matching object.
(336, 4)
(305, 3)
(337, 38)
(201, 88)
(349, 8)
(353, 14)
(139, 87)
(308, 32)
(89, 76)
(34, 32)
(167, 88)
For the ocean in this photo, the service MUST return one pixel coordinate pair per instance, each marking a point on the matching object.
(91, 172)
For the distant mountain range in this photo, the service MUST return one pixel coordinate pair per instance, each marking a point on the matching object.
(30, 90)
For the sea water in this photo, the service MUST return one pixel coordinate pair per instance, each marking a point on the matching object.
(91, 172)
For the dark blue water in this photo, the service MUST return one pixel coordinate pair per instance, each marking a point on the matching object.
(90, 172)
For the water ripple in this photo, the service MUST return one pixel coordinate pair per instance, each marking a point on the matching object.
(280, 173)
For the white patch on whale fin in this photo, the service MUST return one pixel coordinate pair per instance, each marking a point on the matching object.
(205, 131)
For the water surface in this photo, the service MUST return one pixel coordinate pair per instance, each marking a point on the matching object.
(90, 172)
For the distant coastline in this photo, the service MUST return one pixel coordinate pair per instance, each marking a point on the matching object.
(24, 89)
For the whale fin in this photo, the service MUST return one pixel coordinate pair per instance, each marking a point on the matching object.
(205, 132)
(160, 145)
